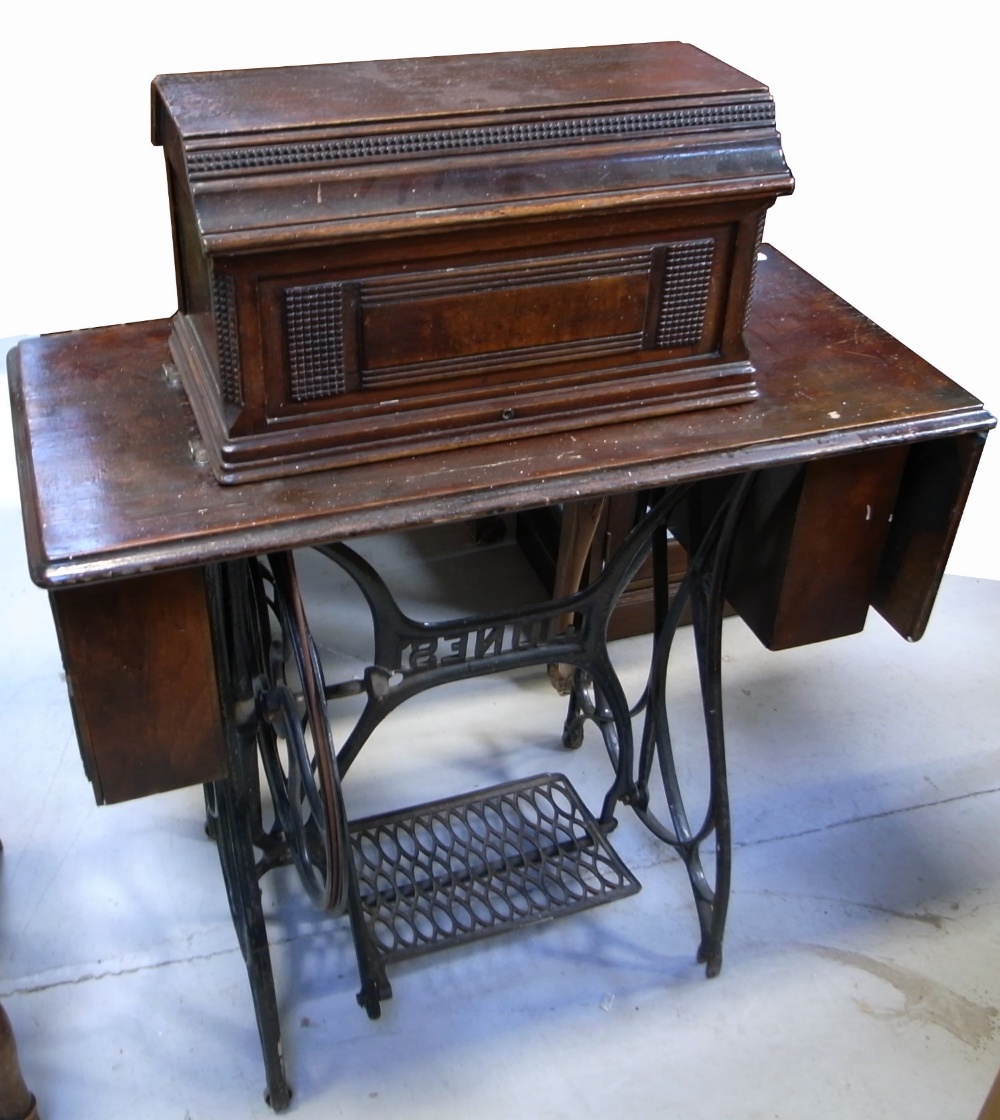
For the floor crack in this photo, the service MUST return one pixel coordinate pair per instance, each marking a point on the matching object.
(863, 818)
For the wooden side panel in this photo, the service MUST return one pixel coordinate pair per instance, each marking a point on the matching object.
(810, 545)
(141, 674)
(932, 496)
(405, 330)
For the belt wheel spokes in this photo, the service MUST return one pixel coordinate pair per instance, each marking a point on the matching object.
(294, 737)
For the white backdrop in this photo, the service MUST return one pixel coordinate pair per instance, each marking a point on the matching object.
(887, 120)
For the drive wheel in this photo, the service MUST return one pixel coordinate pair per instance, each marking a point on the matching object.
(294, 737)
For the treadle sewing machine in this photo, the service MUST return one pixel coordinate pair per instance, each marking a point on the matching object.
(429, 290)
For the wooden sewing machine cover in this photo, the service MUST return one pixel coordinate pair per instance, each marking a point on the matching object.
(377, 259)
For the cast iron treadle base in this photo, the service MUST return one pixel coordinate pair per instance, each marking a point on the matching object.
(469, 867)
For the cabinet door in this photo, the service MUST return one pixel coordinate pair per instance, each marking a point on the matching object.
(141, 676)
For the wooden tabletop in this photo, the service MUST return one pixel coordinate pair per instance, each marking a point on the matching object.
(110, 489)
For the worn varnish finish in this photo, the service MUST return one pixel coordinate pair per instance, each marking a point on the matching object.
(376, 258)
(110, 488)
(140, 669)
(170, 660)
(935, 484)
(810, 545)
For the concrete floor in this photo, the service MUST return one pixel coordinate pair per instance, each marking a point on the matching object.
(860, 976)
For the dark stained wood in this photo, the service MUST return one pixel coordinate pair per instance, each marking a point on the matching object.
(635, 611)
(398, 118)
(16, 1103)
(927, 513)
(381, 258)
(141, 677)
(809, 546)
(255, 101)
(991, 1106)
(110, 489)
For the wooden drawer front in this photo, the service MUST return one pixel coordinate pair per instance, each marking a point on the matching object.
(809, 547)
(932, 496)
(141, 674)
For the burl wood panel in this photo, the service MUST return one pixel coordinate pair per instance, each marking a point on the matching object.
(141, 675)
(440, 319)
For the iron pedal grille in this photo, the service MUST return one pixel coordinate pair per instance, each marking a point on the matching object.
(469, 867)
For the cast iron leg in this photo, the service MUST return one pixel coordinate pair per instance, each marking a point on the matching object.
(275, 696)
(230, 821)
(234, 814)
(704, 586)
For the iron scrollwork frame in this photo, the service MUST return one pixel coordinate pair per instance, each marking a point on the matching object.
(276, 696)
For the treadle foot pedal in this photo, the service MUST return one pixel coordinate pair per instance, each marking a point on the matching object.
(468, 867)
